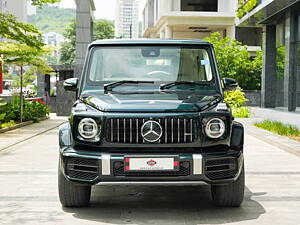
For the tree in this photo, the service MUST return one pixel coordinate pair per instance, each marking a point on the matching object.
(103, 29)
(24, 33)
(42, 2)
(234, 61)
(24, 55)
(23, 46)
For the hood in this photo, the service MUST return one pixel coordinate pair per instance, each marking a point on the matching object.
(149, 102)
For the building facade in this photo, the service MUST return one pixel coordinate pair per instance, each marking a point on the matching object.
(16, 7)
(53, 39)
(127, 19)
(197, 19)
(280, 21)
(194, 19)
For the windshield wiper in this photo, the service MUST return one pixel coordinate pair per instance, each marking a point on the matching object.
(175, 83)
(110, 86)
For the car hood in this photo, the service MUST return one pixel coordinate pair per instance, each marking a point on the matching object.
(149, 102)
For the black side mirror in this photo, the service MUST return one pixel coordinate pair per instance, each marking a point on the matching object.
(71, 84)
(230, 84)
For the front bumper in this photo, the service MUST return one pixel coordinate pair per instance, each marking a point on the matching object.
(90, 168)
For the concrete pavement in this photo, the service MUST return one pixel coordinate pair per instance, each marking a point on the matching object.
(13, 137)
(28, 192)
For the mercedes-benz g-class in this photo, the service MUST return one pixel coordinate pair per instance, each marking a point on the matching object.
(150, 112)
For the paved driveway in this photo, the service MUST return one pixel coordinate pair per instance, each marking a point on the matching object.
(28, 192)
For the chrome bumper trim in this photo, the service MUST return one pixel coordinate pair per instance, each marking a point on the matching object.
(197, 164)
(105, 162)
(160, 183)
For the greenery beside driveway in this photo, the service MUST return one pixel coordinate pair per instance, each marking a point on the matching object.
(10, 113)
(277, 127)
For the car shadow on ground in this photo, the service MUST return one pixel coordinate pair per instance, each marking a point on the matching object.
(163, 205)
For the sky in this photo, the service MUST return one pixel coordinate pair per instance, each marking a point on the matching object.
(104, 8)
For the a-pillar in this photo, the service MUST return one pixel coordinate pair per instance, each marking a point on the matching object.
(290, 70)
(269, 78)
(84, 32)
(168, 32)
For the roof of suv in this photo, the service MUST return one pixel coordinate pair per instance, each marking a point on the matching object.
(147, 41)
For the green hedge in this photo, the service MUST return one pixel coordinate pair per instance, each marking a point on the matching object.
(32, 111)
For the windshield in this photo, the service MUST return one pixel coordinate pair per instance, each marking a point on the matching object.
(150, 63)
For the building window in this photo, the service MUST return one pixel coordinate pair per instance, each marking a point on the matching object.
(199, 5)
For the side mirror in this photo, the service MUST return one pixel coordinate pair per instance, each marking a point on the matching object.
(230, 84)
(71, 84)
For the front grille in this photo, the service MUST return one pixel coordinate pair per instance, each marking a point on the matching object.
(83, 169)
(184, 170)
(128, 130)
(216, 169)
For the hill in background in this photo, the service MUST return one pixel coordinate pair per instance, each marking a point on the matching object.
(52, 18)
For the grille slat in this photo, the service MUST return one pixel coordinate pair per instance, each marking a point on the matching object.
(128, 130)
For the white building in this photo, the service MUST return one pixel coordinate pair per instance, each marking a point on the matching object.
(184, 19)
(54, 39)
(16, 7)
(127, 19)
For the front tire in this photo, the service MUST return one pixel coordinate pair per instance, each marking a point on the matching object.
(72, 195)
(232, 194)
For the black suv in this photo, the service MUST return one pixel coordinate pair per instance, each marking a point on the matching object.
(150, 112)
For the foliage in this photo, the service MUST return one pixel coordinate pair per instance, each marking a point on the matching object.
(20, 32)
(234, 61)
(280, 61)
(246, 6)
(241, 112)
(32, 111)
(279, 128)
(103, 29)
(68, 48)
(22, 54)
(7, 124)
(42, 2)
(236, 100)
(52, 18)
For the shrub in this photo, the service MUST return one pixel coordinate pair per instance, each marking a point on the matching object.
(241, 112)
(8, 124)
(236, 99)
(32, 111)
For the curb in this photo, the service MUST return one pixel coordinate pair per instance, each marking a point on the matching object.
(284, 143)
(19, 125)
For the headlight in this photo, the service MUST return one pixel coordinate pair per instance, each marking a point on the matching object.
(215, 128)
(88, 128)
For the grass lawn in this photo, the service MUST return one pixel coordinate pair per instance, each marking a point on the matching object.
(276, 127)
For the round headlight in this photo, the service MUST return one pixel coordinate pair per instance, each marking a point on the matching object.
(215, 128)
(88, 128)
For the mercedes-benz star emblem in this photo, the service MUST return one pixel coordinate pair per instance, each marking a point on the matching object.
(151, 131)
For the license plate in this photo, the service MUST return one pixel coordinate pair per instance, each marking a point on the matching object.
(150, 163)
